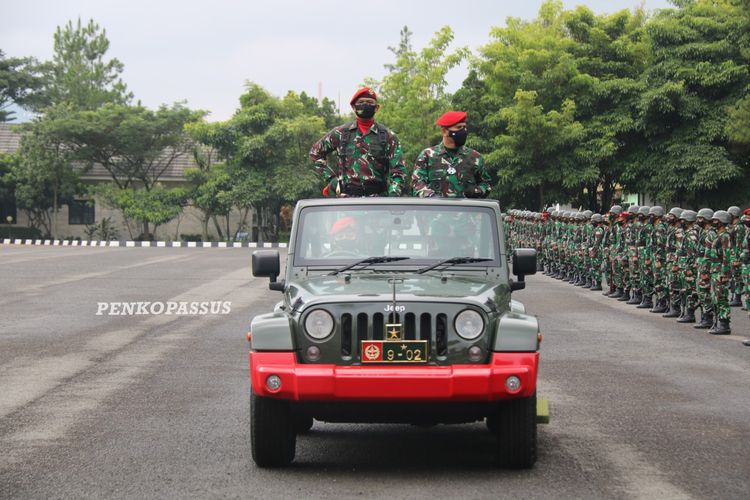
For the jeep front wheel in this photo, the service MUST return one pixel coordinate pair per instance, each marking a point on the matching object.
(515, 427)
(272, 435)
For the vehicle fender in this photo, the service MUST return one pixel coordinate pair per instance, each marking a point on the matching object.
(517, 307)
(516, 332)
(271, 332)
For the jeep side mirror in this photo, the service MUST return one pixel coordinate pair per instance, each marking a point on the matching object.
(267, 264)
(524, 263)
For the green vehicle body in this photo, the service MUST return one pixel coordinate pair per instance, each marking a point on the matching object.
(463, 378)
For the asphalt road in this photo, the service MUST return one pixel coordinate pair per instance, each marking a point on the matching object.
(154, 406)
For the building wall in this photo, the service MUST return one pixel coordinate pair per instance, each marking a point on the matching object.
(188, 222)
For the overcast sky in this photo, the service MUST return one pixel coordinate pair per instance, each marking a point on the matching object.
(203, 51)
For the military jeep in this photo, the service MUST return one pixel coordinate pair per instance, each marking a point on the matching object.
(394, 310)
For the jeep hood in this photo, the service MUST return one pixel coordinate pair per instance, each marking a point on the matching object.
(415, 287)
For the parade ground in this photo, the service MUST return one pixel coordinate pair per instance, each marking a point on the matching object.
(101, 397)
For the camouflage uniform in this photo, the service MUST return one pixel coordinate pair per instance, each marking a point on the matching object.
(450, 173)
(705, 242)
(745, 260)
(659, 264)
(720, 256)
(369, 164)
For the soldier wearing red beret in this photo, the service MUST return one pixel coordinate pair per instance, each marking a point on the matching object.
(450, 169)
(370, 160)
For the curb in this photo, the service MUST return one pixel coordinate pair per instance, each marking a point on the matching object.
(141, 244)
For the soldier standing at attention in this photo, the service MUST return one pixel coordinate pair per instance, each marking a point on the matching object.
(745, 259)
(450, 169)
(370, 161)
(706, 238)
(737, 232)
(720, 255)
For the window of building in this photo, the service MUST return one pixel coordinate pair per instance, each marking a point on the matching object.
(81, 212)
(8, 209)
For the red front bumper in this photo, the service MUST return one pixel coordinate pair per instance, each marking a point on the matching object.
(307, 382)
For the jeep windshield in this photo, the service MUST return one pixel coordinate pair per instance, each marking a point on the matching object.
(339, 235)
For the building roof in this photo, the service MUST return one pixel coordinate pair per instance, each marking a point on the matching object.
(10, 140)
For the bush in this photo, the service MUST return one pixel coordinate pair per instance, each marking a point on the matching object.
(191, 237)
(20, 232)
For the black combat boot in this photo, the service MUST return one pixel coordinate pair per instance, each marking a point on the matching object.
(673, 312)
(579, 281)
(661, 306)
(636, 298)
(735, 302)
(596, 286)
(688, 317)
(707, 320)
(646, 302)
(625, 295)
(721, 328)
(610, 291)
(587, 282)
(573, 278)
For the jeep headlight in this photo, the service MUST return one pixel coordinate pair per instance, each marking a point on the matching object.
(469, 324)
(319, 324)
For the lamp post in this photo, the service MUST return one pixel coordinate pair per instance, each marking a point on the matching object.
(9, 219)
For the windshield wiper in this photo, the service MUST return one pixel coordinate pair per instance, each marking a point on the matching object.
(451, 262)
(366, 262)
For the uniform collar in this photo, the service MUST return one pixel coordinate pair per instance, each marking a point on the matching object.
(373, 128)
(444, 151)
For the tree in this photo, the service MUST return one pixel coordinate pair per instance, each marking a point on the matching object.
(536, 149)
(610, 53)
(134, 144)
(43, 177)
(20, 81)
(265, 146)
(413, 93)
(79, 76)
(698, 70)
(154, 207)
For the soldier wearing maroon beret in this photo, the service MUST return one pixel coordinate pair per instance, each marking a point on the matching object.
(370, 160)
(450, 169)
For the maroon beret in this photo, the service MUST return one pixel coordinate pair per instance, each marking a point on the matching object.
(451, 118)
(364, 92)
(746, 212)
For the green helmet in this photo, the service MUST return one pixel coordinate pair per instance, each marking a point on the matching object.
(566, 215)
(633, 209)
(588, 213)
(676, 211)
(644, 210)
(706, 213)
(616, 209)
(597, 218)
(656, 211)
(734, 211)
(689, 216)
(722, 216)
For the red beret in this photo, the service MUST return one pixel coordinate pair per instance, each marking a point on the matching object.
(451, 118)
(364, 92)
(342, 224)
(746, 212)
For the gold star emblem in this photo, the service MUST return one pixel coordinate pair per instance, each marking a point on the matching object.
(394, 331)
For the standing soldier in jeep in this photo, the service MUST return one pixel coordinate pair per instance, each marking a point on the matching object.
(450, 169)
(370, 161)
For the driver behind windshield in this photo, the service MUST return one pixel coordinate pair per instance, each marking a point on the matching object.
(344, 236)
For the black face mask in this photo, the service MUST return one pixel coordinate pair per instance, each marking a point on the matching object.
(458, 136)
(365, 111)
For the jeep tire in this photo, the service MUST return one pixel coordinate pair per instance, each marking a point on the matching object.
(302, 423)
(515, 428)
(272, 434)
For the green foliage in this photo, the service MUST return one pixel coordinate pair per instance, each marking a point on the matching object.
(413, 93)
(20, 81)
(134, 144)
(103, 231)
(698, 70)
(265, 148)
(79, 76)
(43, 176)
(156, 206)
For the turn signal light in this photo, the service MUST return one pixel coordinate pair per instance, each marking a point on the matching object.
(513, 384)
(273, 383)
(249, 336)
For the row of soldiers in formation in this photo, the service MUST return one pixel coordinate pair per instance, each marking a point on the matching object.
(673, 263)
